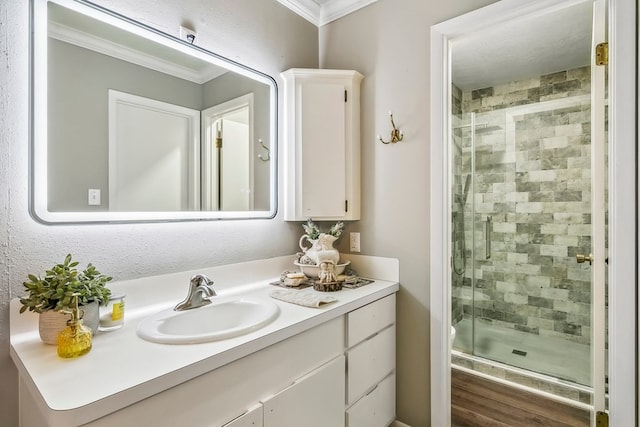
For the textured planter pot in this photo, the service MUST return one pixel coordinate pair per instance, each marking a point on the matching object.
(52, 322)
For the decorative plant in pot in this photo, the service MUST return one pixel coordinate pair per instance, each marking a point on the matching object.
(52, 296)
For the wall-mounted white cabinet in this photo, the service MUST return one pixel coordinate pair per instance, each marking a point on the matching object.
(321, 144)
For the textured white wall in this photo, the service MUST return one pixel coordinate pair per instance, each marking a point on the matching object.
(256, 33)
(388, 42)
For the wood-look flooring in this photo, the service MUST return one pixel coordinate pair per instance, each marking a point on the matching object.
(478, 402)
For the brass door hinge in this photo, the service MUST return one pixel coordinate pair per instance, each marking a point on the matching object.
(602, 53)
(346, 206)
(345, 96)
(602, 419)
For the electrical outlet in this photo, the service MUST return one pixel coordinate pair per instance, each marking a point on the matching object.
(354, 242)
(187, 34)
(94, 197)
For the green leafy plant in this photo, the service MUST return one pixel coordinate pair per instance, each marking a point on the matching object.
(336, 229)
(55, 290)
(313, 231)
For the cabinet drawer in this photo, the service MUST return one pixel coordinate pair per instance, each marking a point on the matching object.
(369, 362)
(371, 318)
(376, 409)
(251, 418)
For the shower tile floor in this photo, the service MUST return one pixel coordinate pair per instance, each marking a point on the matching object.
(562, 359)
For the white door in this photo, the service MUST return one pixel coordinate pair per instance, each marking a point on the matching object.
(228, 155)
(618, 153)
(154, 155)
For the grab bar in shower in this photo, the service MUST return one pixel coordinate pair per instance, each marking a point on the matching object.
(488, 228)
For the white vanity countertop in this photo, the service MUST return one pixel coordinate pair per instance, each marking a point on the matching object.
(122, 369)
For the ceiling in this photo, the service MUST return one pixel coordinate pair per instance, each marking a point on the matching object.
(524, 48)
(515, 50)
(321, 12)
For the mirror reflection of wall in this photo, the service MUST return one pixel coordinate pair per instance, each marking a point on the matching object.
(160, 166)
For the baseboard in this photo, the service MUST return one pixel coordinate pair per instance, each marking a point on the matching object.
(397, 423)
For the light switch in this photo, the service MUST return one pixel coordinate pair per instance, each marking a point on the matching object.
(94, 197)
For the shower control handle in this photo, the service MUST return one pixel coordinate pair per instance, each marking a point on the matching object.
(582, 258)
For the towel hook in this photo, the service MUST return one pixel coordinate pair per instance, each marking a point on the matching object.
(396, 135)
(268, 156)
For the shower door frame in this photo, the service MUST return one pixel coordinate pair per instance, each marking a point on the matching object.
(622, 198)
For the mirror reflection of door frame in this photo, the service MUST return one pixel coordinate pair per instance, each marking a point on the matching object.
(124, 165)
(212, 162)
(622, 209)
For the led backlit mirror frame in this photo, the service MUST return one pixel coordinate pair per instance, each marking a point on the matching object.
(39, 120)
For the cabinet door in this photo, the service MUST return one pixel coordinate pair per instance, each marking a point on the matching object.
(322, 149)
(251, 418)
(321, 144)
(315, 400)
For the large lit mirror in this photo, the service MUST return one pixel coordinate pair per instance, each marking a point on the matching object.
(131, 124)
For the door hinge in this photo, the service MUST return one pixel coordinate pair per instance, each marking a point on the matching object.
(345, 96)
(602, 53)
(602, 419)
(346, 206)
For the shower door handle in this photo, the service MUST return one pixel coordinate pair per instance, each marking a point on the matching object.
(487, 236)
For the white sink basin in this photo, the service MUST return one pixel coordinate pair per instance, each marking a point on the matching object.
(217, 321)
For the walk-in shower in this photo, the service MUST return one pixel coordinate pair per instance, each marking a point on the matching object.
(520, 214)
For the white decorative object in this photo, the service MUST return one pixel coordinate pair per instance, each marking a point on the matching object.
(313, 271)
(309, 253)
(325, 251)
(322, 144)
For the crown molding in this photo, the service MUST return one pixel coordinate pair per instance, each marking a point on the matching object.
(331, 10)
(106, 47)
(335, 9)
(308, 9)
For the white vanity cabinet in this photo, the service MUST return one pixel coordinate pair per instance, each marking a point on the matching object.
(371, 361)
(327, 367)
(321, 144)
(284, 379)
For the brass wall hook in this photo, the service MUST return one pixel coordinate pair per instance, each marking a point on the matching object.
(268, 156)
(396, 135)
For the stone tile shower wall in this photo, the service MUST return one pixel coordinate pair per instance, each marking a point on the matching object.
(532, 177)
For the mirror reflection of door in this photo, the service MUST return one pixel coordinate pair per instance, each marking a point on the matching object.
(154, 155)
(227, 163)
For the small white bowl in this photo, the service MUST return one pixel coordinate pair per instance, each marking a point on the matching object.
(313, 271)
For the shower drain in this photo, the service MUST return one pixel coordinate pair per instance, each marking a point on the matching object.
(519, 352)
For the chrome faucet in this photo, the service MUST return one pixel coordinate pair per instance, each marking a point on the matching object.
(200, 290)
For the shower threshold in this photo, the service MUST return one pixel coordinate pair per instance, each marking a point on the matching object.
(564, 391)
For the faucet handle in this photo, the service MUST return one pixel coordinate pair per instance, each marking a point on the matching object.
(201, 279)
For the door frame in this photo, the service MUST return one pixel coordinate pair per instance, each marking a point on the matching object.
(623, 266)
(210, 173)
